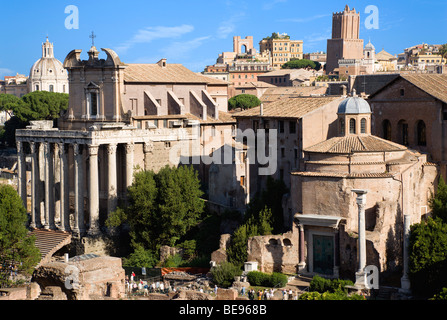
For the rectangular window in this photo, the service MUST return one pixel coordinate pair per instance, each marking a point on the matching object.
(292, 127)
(93, 103)
(281, 126)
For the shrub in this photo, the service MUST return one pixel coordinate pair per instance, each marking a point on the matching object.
(257, 278)
(321, 285)
(224, 274)
(441, 295)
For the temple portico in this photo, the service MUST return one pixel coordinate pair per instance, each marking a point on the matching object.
(77, 177)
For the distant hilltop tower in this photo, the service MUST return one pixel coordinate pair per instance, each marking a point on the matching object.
(345, 42)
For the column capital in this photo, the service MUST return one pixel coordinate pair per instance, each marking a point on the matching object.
(61, 146)
(19, 145)
(77, 149)
(111, 148)
(93, 150)
(32, 146)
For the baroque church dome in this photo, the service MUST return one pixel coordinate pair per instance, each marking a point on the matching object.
(48, 73)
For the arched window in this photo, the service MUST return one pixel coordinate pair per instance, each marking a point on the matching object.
(386, 128)
(403, 132)
(352, 126)
(51, 88)
(421, 133)
(363, 126)
(342, 127)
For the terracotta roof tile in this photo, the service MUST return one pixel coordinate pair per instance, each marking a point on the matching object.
(433, 84)
(289, 107)
(355, 143)
(172, 73)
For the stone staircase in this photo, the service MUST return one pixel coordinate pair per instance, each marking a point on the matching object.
(49, 242)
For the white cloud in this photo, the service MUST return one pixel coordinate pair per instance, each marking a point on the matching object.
(149, 34)
(229, 26)
(269, 5)
(180, 49)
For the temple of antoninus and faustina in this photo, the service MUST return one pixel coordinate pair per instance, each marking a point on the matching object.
(121, 117)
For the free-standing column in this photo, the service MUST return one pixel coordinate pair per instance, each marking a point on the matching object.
(64, 189)
(35, 219)
(112, 182)
(79, 189)
(129, 164)
(302, 263)
(405, 281)
(21, 173)
(93, 190)
(361, 202)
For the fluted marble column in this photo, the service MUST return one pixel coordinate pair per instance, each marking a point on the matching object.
(129, 163)
(35, 212)
(112, 180)
(49, 186)
(64, 189)
(93, 190)
(79, 190)
(21, 173)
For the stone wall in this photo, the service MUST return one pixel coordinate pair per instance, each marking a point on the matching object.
(96, 278)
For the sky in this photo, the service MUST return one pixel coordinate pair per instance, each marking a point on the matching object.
(195, 32)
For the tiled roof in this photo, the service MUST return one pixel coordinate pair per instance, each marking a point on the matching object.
(383, 55)
(355, 143)
(224, 117)
(434, 84)
(343, 175)
(277, 93)
(172, 73)
(289, 107)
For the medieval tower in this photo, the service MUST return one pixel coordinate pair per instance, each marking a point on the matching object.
(345, 42)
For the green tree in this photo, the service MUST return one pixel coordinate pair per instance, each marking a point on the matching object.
(38, 105)
(428, 256)
(438, 203)
(8, 102)
(259, 225)
(16, 246)
(41, 105)
(223, 274)
(243, 101)
(302, 64)
(270, 197)
(162, 207)
(443, 50)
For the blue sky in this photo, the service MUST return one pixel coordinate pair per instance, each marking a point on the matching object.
(194, 32)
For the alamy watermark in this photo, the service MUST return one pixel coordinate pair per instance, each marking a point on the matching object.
(372, 21)
(72, 20)
(225, 147)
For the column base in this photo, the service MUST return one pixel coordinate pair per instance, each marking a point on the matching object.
(360, 280)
